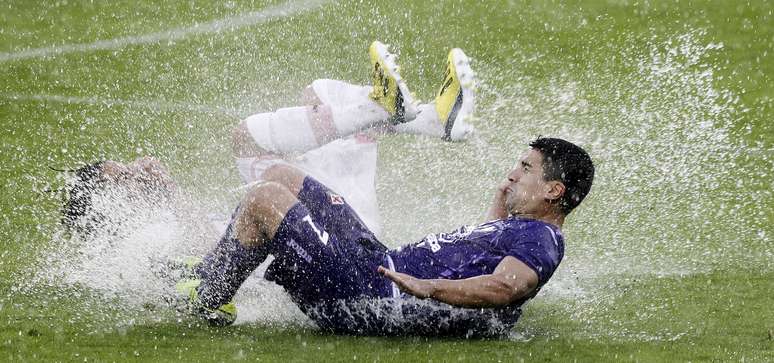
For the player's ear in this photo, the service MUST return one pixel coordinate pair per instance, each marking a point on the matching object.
(554, 190)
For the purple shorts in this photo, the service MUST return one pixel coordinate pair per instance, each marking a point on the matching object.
(323, 252)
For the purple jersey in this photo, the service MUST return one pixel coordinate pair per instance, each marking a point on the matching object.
(477, 250)
(474, 251)
(328, 266)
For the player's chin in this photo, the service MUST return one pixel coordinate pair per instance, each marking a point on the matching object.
(510, 206)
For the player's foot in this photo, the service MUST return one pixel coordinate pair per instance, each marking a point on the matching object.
(455, 101)
(221, 316)
(389, 90)
(173, 270)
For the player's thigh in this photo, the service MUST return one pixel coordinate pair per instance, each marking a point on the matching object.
(333, 256)
(288, 175)
(332, 212)
(315, 265)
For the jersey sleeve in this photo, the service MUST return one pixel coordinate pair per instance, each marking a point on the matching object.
(539, 248)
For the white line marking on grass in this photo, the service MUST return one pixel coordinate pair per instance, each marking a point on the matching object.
(217, 26)
(108, 102)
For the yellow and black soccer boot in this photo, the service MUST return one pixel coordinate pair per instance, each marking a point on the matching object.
(221, 316)
(389, 89)
(456, 99)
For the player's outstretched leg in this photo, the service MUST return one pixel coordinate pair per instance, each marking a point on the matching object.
(334, 109)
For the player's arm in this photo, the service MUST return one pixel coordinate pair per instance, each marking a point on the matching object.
(511, 280)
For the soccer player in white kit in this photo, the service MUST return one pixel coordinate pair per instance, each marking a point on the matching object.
(321, 137)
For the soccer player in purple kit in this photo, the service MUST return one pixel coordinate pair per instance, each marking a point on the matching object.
(475, 279)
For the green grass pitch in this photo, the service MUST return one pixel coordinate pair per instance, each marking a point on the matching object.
(669, 259)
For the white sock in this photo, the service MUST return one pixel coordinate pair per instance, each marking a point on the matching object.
(352, 109)
(299, 129)
(358, 116)
(426, 123)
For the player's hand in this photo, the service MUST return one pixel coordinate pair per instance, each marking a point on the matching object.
(498, 209)
(503, 188)
(420, 288)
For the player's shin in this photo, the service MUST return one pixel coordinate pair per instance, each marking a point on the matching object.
(225, 268)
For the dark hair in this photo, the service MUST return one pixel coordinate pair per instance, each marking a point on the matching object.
(87, 179)
(569, 164)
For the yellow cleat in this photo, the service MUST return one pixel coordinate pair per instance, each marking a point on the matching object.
(222, 316)
(389, 89)
(456, 98)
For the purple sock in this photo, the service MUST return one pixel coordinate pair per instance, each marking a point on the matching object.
(225, 268)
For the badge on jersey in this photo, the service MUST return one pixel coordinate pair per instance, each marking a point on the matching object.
(336, 199)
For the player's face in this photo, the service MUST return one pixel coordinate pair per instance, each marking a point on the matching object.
(526, 191)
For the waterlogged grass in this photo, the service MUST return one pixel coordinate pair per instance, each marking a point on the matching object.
(734, 328)
(669, 259)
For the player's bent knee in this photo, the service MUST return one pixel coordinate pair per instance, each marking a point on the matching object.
(268, 198)
(261, 212)
(242, 142)
(289, 176)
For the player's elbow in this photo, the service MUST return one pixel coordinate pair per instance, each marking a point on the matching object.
(501, 294)
(509, 292)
